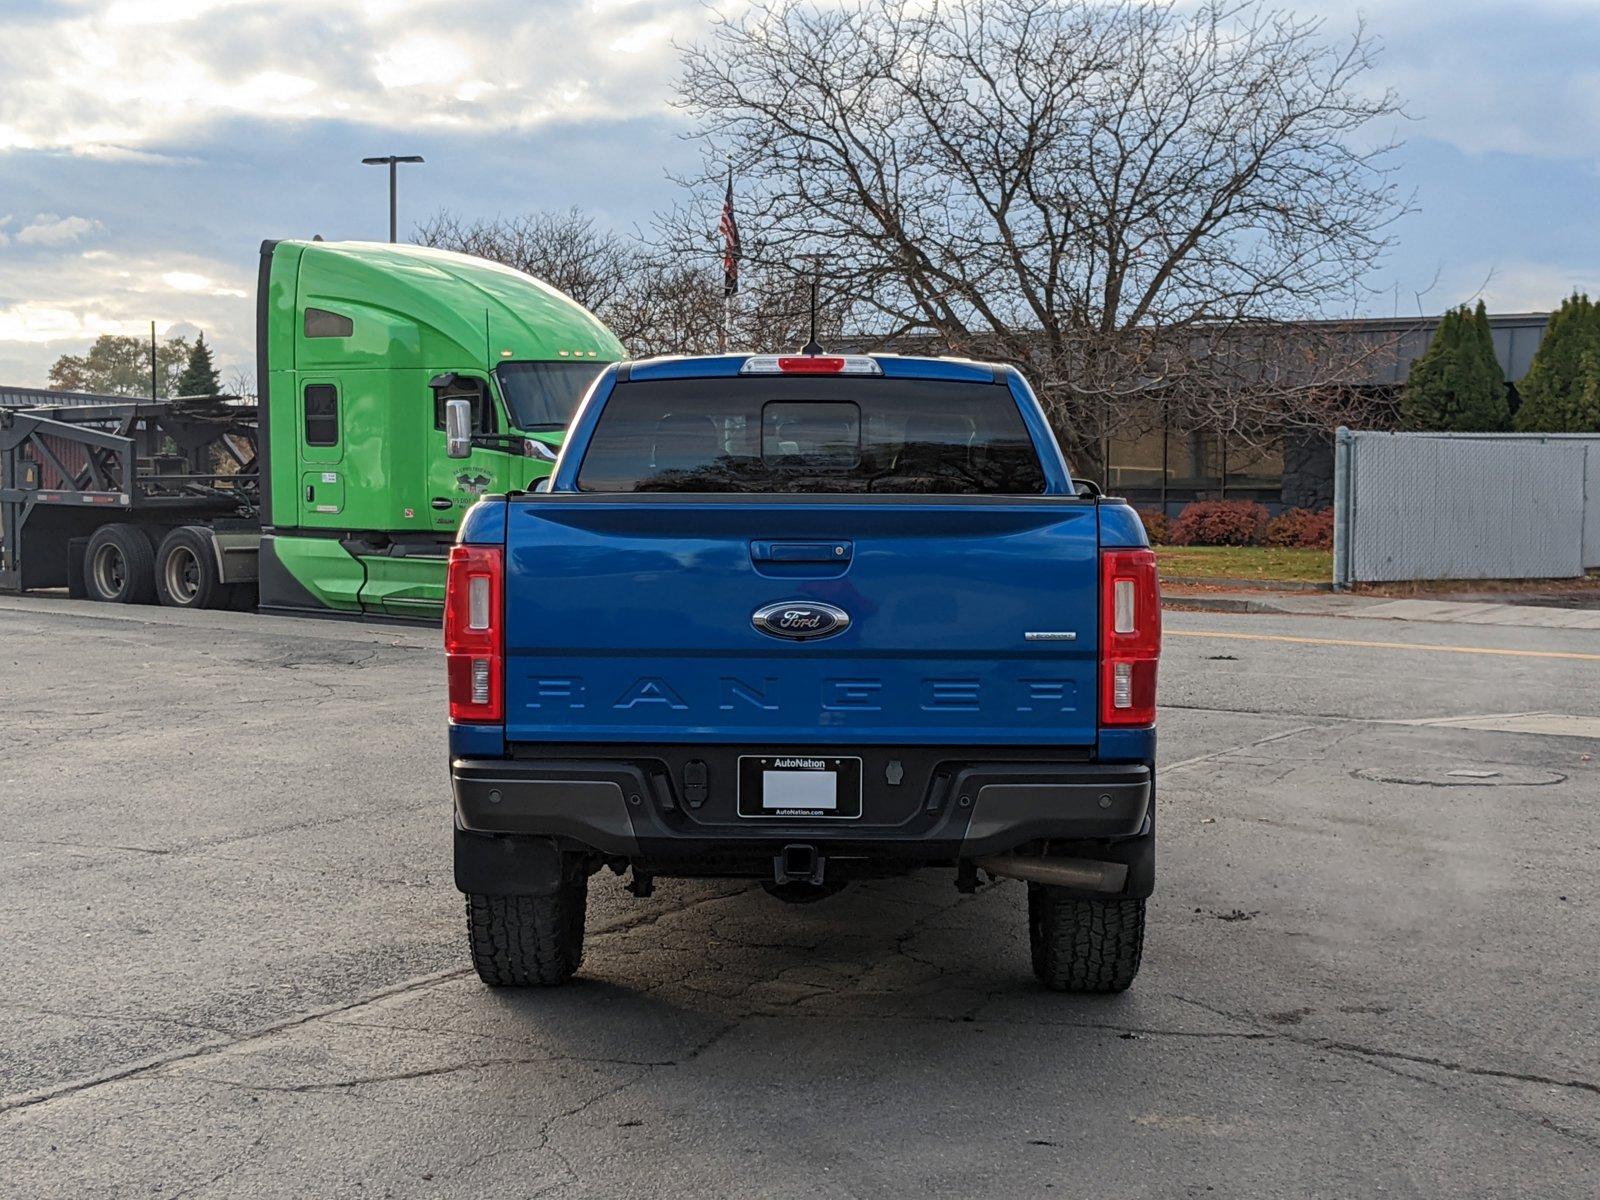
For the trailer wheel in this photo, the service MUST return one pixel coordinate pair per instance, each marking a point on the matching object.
(186, 570)
(119, 565)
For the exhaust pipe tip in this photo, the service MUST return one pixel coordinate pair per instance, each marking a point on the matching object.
(1081, 874)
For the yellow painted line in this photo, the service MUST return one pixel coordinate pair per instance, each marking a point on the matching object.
(1306, 641)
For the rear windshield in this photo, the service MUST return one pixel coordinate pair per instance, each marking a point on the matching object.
(775, 434)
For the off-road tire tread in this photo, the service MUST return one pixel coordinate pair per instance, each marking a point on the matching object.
(528, 941)
(1084, 945)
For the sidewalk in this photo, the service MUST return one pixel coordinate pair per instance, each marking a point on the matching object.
(1330, 604)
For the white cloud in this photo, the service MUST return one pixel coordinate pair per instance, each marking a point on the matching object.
(47, 229)
(31, 322)
(192, 281)
(1488, 76)
(422, 60)
(1536, 286)
(73, 298)
(121, 78)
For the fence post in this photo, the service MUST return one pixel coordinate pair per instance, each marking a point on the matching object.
(1344, 503)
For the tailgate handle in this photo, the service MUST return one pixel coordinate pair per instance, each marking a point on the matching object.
(801, 552)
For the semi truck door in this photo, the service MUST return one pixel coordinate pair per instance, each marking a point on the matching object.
(454, 484)
(321, 453)
(407, 580)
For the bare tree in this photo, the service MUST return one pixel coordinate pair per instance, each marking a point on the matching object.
(241, 385)
(565, 250)
(655, 300)
(1102, 193)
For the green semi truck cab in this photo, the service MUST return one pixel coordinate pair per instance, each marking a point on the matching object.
(360, 347)
(335, 493)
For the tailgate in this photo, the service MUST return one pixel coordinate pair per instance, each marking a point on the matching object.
(630, 618)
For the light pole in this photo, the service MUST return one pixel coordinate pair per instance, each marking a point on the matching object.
(390, 160)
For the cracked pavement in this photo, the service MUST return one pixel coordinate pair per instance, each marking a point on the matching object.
(232, 961)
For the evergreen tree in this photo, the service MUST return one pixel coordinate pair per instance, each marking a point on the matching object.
(1488, 409)
(199, 377)
(1559, 393)
(1586, 402)
(1426, 394)
(1457, 385)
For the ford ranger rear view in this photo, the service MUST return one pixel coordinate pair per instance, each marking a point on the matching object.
(805, 620)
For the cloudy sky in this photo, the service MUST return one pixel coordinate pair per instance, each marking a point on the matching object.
(148, 146)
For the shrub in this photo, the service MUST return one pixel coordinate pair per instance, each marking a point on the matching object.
(1302, 528)
(1156, 526)
(1220, 523)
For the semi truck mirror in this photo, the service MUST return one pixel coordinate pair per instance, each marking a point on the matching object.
(458, 428)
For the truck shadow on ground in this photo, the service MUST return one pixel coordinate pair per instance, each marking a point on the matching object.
(718, 955)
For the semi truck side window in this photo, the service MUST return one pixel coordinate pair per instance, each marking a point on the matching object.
(322, 414)
(472, 391)
(321, 323)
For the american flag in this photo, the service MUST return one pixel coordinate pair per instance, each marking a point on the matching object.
(730, 244)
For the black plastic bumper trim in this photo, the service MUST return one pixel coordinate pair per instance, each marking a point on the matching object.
(618, 809)
(585, 801)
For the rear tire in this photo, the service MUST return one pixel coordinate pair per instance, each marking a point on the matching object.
(186, 570)
(528, 941)
(119, 565)
(1084, 945)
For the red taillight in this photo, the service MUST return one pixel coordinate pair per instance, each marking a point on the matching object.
(1130, 636)
(810, 364)
(820, 364)
(474, 640)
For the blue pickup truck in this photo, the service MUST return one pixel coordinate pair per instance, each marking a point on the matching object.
(804, 619)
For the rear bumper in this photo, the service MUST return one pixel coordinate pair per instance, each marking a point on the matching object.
(943, 810)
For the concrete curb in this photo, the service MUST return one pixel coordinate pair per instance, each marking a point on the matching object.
(1270, 584)
(1225, 604)
(1445, 612)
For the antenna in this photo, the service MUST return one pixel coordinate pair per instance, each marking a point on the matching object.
(813, 347)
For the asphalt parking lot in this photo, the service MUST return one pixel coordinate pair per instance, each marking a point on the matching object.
(231, 957)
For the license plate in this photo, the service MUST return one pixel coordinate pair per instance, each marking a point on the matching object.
(800, 787)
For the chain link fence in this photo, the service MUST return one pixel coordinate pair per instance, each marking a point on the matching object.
(1464, 506)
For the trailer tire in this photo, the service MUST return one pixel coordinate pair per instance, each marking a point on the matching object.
(186, 570)
(119, 565)
(1084, 945)
(528, 941)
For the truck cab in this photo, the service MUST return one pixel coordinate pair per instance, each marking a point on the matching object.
(805, 619)
(361, 348)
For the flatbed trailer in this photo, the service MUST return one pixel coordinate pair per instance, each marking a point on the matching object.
(128, 502)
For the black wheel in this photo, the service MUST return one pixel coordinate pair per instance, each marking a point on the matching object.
(186, 570)
(528, 941)
(1084, 945)
(119, 565)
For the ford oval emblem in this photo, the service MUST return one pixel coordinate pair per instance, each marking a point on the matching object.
(802, 620)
